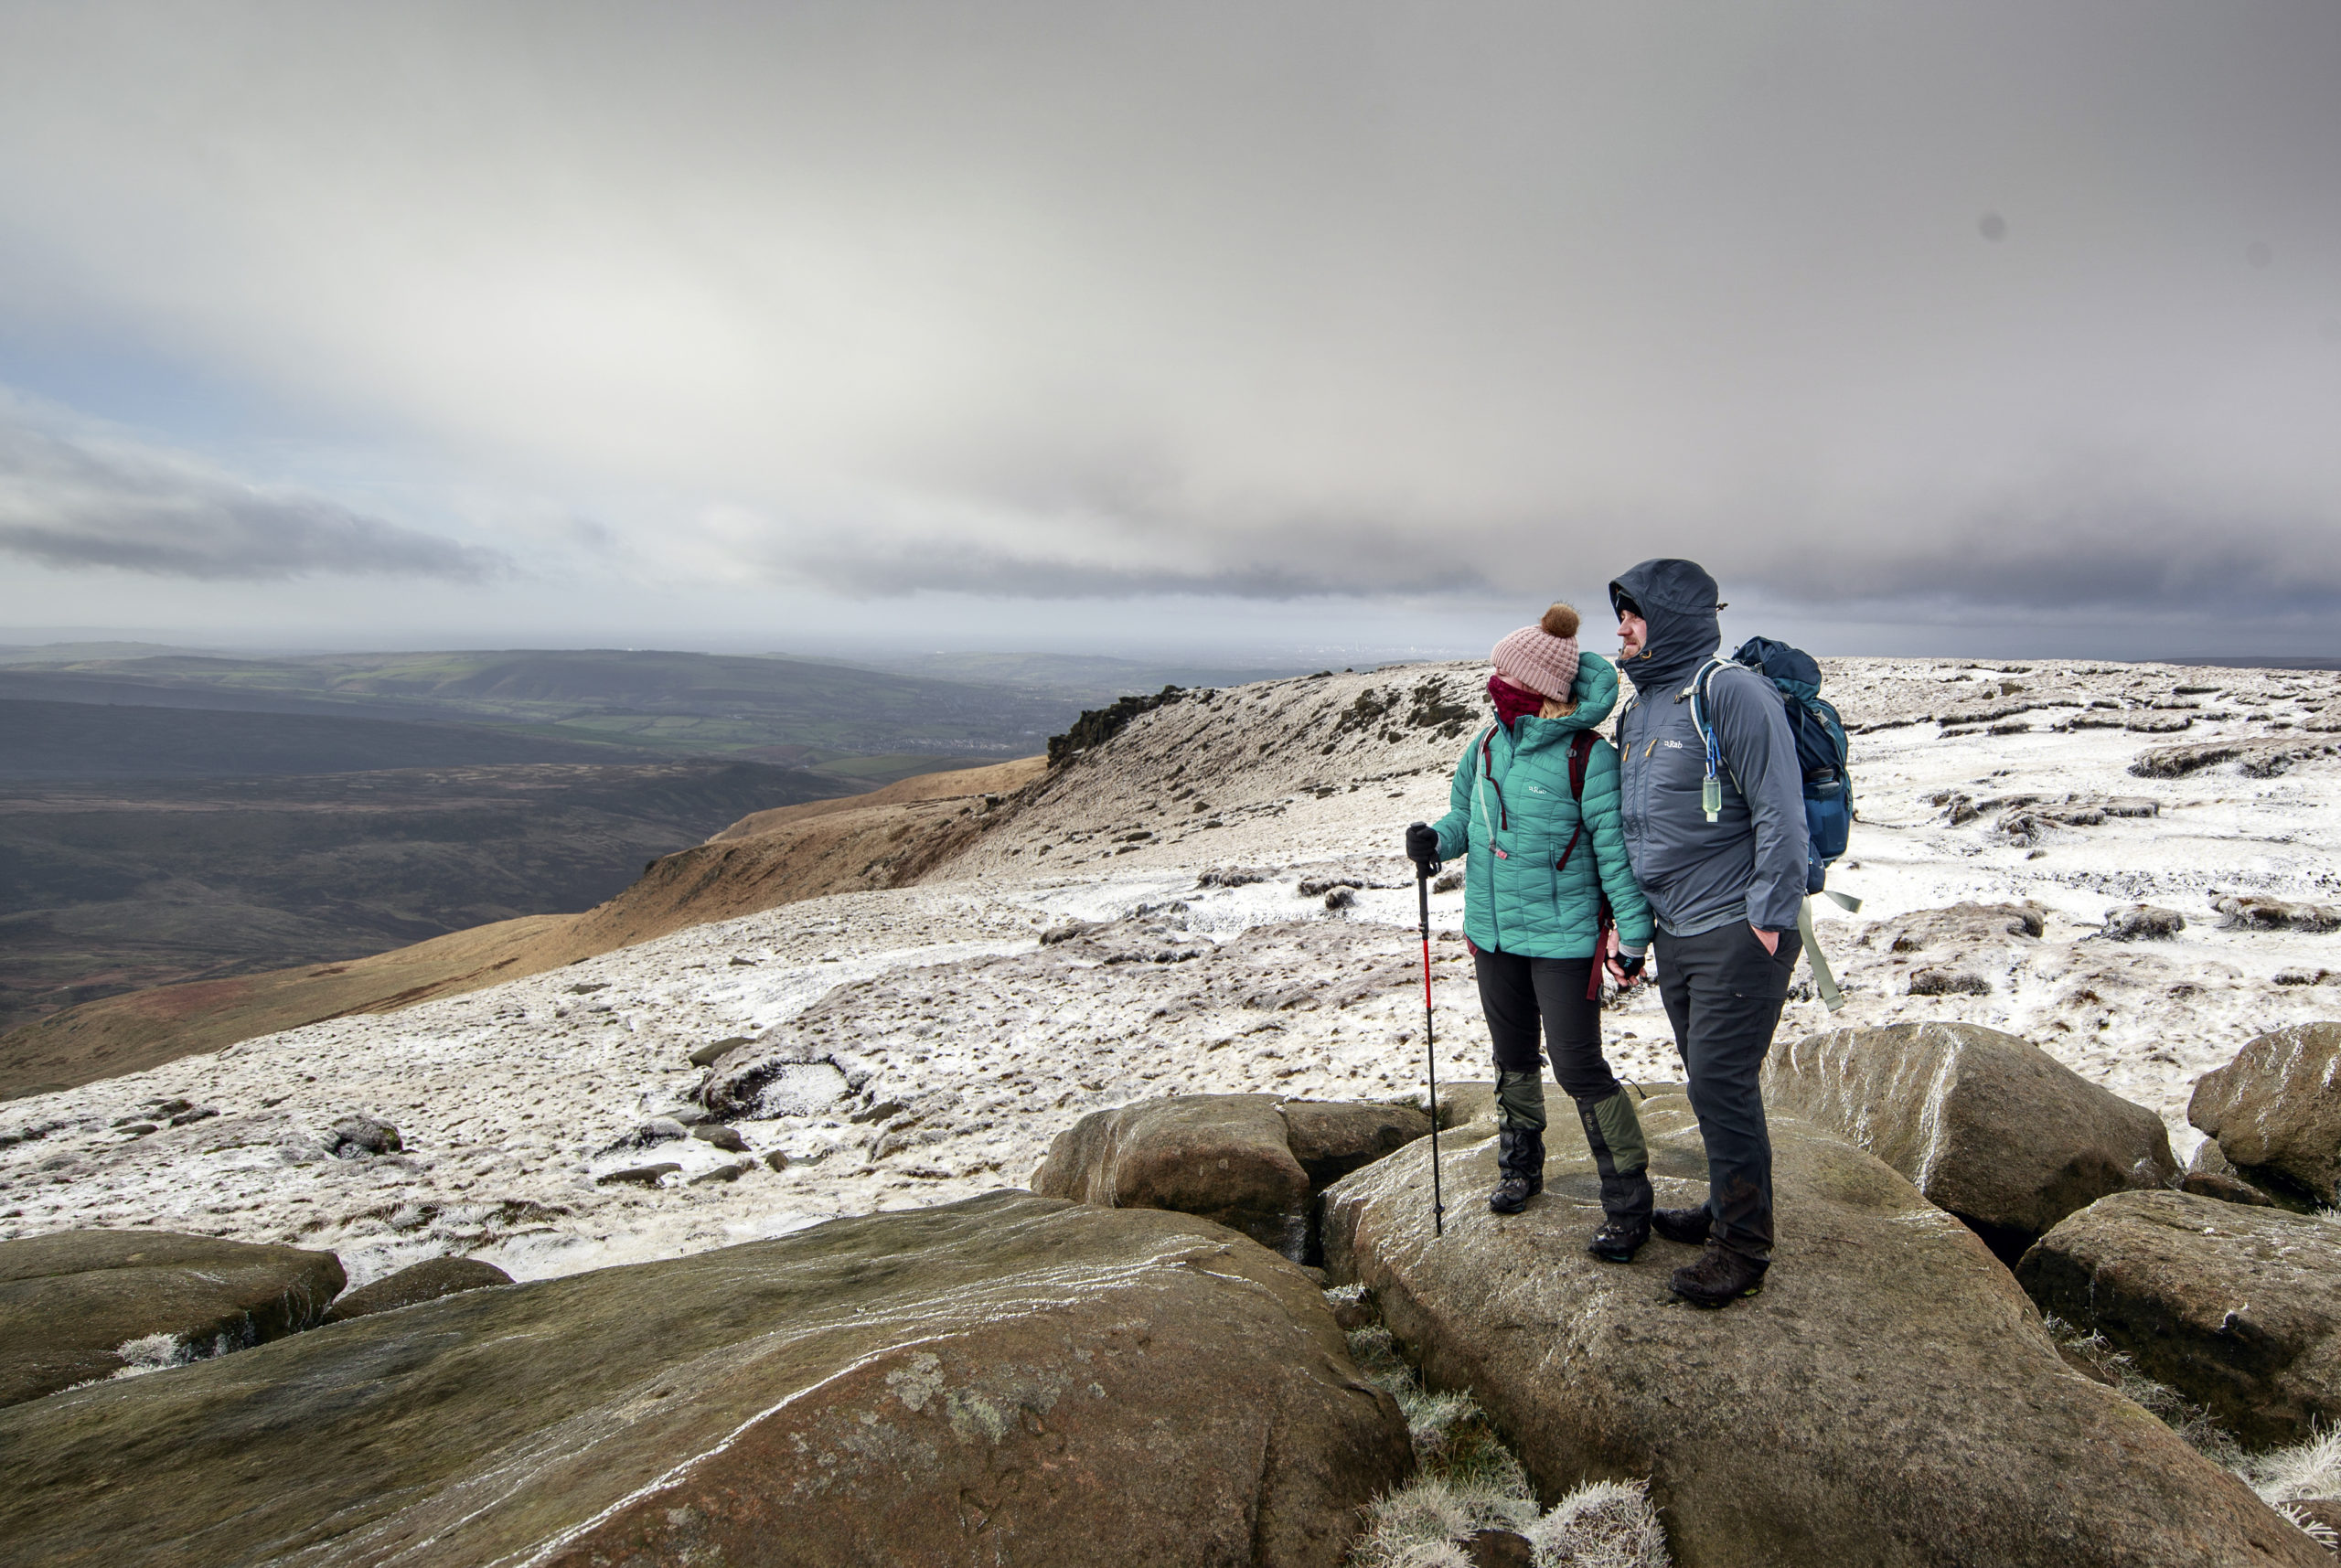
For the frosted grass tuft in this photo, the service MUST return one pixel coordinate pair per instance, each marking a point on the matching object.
(1467, 1479)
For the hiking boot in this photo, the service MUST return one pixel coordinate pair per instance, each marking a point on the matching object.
(1720, 1277)
(1688, 1226)
(1618, 1239)
(1519, 1169)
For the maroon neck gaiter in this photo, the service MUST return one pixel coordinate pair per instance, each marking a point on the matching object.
(1512, 702)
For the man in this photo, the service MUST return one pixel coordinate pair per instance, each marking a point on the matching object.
(1726, 894)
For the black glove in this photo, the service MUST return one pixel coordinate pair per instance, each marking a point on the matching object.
(1422, 844)
(1631, 969)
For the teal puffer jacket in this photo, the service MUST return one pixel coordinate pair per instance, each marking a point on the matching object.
(1509, 810)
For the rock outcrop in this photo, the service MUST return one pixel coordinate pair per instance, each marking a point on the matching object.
(2253, 911)
(2134, 923)
(2237, 1307)
(416, 1283)
(1005, 1380)
(73, 1302)
(1987, 1126)
(1331, 1137)
(1252, 1162)
(1891, 1398)
(2276, 1110)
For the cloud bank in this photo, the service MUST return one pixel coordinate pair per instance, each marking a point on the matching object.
(1995, 305)
(68, 503)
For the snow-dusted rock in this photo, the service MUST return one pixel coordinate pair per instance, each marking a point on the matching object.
(1891, 1397)
(2276, 1110)
(1004, 1380)
(2257, 757)
(2237, 1307)
(357, 1136)
(640, 1175)
(1948, 983)
(2150, 921)
(1963, 928)
(2251, 911)
(75, 1304)
(417, 1283)
(1987, 1126)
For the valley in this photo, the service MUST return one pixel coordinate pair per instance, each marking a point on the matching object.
(116, 885)
(174, 816)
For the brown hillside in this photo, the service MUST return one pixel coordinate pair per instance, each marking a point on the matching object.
(139, 1029)
(998, 778)
(887, 839)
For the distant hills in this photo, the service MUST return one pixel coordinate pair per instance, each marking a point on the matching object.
(1088, 679)
(676, 704)
(114, 885)
(170, 815)
(91, 740)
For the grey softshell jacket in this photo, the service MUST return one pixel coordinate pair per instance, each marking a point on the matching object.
(1749, 864)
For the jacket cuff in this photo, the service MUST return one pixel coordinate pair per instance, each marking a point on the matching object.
(1632, 949)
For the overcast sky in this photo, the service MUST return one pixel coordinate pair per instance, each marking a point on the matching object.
(1975, 328)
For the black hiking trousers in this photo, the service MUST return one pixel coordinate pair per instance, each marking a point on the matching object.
(1527, 999)
(1723, 994)
(1519, 994)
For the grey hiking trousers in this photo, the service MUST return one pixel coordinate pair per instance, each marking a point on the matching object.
(1723, 994)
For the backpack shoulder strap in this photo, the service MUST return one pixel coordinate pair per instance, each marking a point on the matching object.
(1472, 753)
(1580, 748)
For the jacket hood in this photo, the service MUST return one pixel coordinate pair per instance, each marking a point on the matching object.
(1595, 692)
(1679, 601)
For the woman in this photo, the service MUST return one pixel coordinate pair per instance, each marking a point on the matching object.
(1536, 808)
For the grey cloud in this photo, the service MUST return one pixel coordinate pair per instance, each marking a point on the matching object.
(1356, 566)
(1997, 303)
(76, 504)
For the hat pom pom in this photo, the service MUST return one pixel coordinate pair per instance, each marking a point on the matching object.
(1560, 621)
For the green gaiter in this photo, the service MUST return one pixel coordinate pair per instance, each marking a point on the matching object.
(1520, 1100)
(1614, 1120)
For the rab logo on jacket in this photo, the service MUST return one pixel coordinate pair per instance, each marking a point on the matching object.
(1671, 745)
(1538, 789)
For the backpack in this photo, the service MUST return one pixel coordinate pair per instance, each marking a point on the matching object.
(1821, 750)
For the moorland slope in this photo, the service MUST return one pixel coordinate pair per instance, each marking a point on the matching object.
(881, 840)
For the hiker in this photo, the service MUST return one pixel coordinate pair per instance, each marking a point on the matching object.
(1535, 804)
(1726, 890)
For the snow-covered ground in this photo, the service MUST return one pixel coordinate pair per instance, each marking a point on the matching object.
(919, 1045)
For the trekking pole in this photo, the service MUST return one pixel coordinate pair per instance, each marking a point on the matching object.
(1430, 1049)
